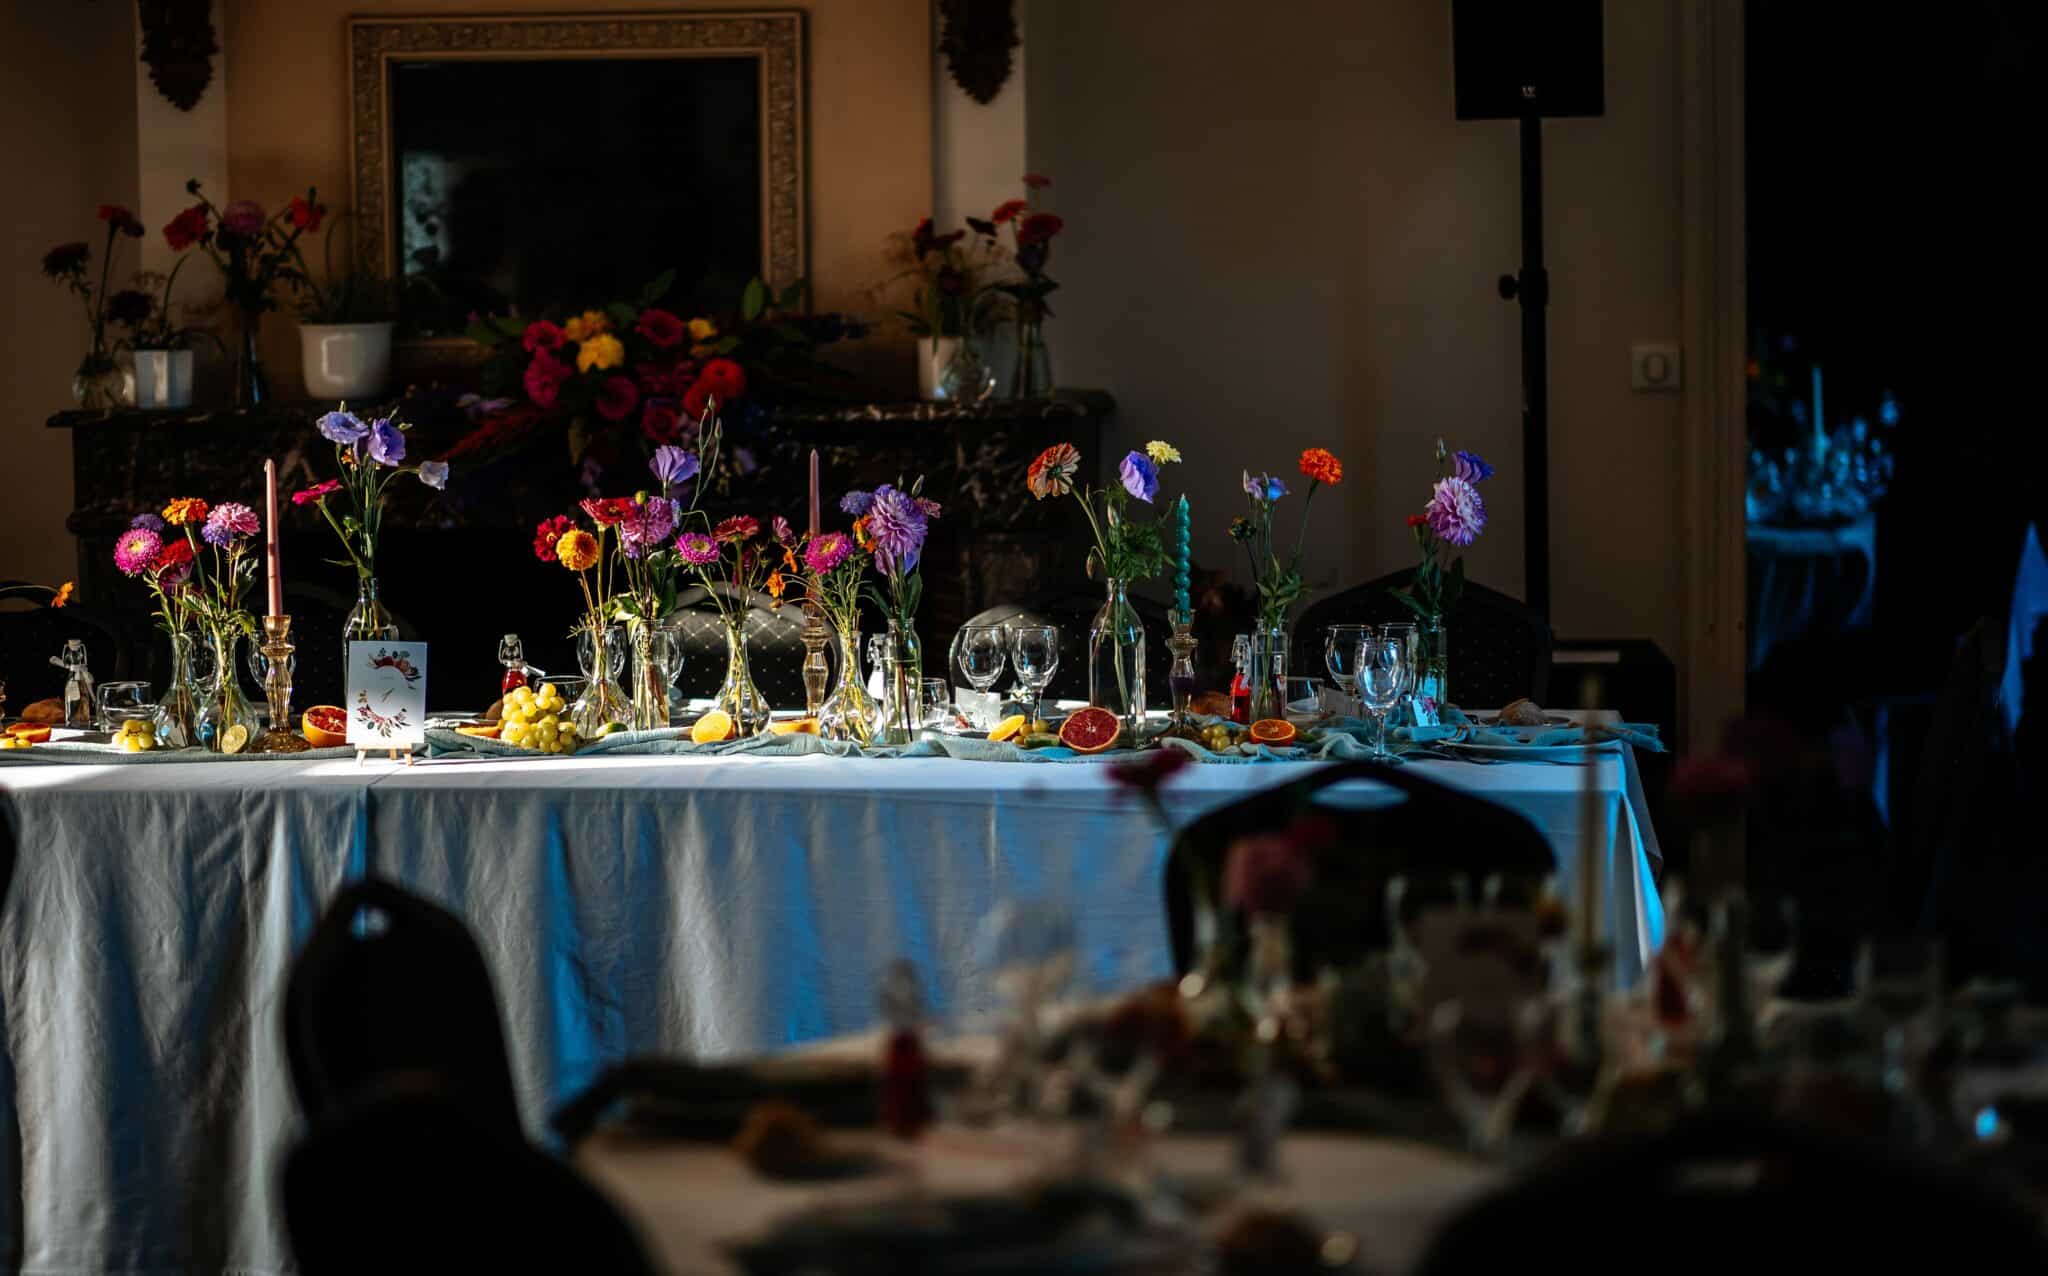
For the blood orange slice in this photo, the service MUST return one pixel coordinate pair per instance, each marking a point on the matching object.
(1090, 730)
(1273, 731)
(325, 726)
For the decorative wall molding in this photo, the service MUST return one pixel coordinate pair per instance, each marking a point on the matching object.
(178, 45)
(977, 39)
(776, 38)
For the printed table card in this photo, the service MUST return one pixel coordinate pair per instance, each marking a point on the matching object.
(387, 695)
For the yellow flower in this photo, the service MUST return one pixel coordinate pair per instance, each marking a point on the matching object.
(591, 323)
(64, 593)
(186, 509)
(601, 351)
(577, 550)
(1161, 452)
(702, 330)
(860, 533)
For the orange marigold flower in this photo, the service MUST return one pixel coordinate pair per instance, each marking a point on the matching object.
(577, 550)
(64, 593)
(1321, 466)
(776, 584)
(186, 509)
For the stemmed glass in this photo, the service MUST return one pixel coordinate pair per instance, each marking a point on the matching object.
(1409, 637)
(1340, 652)
(1035, 653)
(982, 655)
(1382, 672)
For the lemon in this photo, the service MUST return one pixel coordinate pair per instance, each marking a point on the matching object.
(1009, 728)
(795, 726)
(234, 739)
(712, 727)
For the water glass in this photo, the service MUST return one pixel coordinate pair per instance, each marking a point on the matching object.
(982, 654)
(1301, 700)
(1035, 653)
(938, 704)
(1340, 653)
(1409, 637)
(1383, 675)
(121, 701)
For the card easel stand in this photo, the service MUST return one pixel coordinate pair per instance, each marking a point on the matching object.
(363, 751)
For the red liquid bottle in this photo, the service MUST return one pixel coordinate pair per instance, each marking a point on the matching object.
(512, 655)
(1240, 686)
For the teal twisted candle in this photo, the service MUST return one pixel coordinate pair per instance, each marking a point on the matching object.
(1180, 555)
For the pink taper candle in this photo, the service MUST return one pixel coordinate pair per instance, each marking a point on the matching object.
(273, 556)
(814, 492)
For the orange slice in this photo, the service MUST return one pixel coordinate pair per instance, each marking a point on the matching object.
(29, 732)
(1009, 728)
(481, 730)
(1272, 731)
(325, 726)
(1090, 730)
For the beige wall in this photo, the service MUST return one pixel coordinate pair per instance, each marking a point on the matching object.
(67, 128)
(1279, 237)
(868, 129)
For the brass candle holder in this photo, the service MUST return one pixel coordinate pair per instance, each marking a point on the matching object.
(277, 650)
(816, 635)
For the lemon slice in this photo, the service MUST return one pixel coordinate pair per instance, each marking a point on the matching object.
(795, 726)
(234, 739)
(712, 727)
(1009, 728)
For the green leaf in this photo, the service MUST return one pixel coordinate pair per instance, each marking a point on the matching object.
(754, 300)
(793, 296)
(725, 345)
(622, 315)
(658, 287)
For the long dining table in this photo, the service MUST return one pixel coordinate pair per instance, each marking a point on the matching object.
(705, 907)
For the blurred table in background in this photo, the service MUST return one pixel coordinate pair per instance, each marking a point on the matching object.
(1809, 582)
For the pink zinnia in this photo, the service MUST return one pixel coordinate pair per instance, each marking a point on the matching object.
(136, 549)
(541, 335)
(544, 378)
(827, 552)
(696, 548)
(616, 398)
(1455, 512)
(661, 328)
(316, 492)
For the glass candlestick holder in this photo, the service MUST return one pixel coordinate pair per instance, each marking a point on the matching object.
(1180, 674)
(276, 651)
(816, 635)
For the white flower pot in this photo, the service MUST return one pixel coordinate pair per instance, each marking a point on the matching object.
(345, 360)
(163, 378)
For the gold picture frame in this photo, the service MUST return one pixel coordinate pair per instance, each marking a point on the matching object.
(774, 37)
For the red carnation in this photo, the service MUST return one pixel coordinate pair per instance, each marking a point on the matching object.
(121, 219)
(696, 401)
(188, 228)
(661, 328)
(724, 379)
(1038, 228)
(308, 495)
(305, 214)
(542, 335)
(544, 378)
(660, 423)
(1417, 520)
(548, 534)
(616, 398)
(1010, 209)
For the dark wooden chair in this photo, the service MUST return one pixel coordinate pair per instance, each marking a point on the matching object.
(390, 985)
(1074, 611)
(411, 1177)
(1431, 836)
(1500, 647)
(775, 649)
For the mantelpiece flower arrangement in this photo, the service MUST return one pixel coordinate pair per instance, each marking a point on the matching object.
(254, 251)
(1276, 571)
(1453, 518)
(954, 301)
(891, 524)
(99, 383)
(1128, 548)
(367, 456)
(1032, 231)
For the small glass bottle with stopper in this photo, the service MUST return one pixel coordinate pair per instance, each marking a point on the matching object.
(1240, 686)
(512, 655)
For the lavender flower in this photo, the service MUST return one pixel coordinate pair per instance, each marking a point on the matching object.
(434, 474)
(387, 443)
(148, 521)
(784, 533)
(672, 465)
(1140, 476)
(856, 503)
(229, 522)
(1469, 467)
(1455, 512)
(1263, 487)
(897, 523)
(342, 427)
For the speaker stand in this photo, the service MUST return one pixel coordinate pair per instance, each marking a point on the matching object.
(1531, 290)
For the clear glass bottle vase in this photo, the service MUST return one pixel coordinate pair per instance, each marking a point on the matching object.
(902, 685)
(252, 384)
(368, 621)
(602, 657)
(1266, 670)
(1032, 376)
(850, 713)
(177, 710)
(1116, 660)
(737, 695)
(227, 721)
(653, 649)
(1433, 670)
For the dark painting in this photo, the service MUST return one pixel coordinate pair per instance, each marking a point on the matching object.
(573, 182)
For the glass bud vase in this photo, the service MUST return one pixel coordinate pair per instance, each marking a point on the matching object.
(1116, 660)
(367, 621)
(737, 695)
(652, 651)
(1433, 670)
(102, 384)
(902, 685)
(1266, 670)
(1032, 377)
(252, 386)
(177, 710)
(850, 713)
(227, 720)
(602, 657)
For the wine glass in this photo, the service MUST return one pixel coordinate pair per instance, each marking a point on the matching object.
(1035, 653)
(1340, 653)
(1409, 637)
(1382, 672)
(982, 655)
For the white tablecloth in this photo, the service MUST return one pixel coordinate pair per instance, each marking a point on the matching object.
(625, 905)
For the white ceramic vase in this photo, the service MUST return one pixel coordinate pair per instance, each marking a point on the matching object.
(345, 360)
(163, 379)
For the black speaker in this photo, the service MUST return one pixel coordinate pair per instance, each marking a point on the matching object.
(1512, 55)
